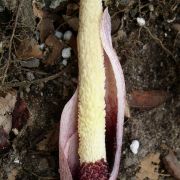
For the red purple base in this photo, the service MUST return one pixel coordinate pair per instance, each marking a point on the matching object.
(94, 171)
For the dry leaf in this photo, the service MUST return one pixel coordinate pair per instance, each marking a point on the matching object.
(29, 48)
(45, 28)
(7, 105)
(147, 99)
(13, 114)
(47, 18)
(73, 22)
(71, 8)
(172, 165)
(55, 47)
(149, 167)
(38, 10)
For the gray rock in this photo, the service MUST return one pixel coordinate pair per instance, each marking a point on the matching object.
(58, 34)
(33, 63)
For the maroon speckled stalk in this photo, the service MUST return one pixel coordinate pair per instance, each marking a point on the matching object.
(94, 171)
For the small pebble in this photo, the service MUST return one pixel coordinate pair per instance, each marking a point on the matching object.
(33, 63)
(58, 34)
(141, 21)
(16, 160)
(30, 76)
(15, 131)
(27, 89)
(134, 146)
(67, 35)
(21, 94)
(151, 7)
(66, 52)
(64, 62)
(42, 47)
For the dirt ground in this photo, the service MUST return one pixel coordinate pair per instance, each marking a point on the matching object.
(149, 55)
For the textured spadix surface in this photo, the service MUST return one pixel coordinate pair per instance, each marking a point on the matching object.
(91, 102)
(68, 140)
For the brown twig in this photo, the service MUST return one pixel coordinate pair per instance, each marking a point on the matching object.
(27, 83)
(159, 42)
(11, 42)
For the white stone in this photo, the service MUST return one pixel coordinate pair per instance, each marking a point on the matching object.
(67, 35)
(141, 21)
(64, 62)
(66, 53)
(16, 160)
(30, 76)
(15, 131)
(42, 46)
(58, 34)
(134, 146)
